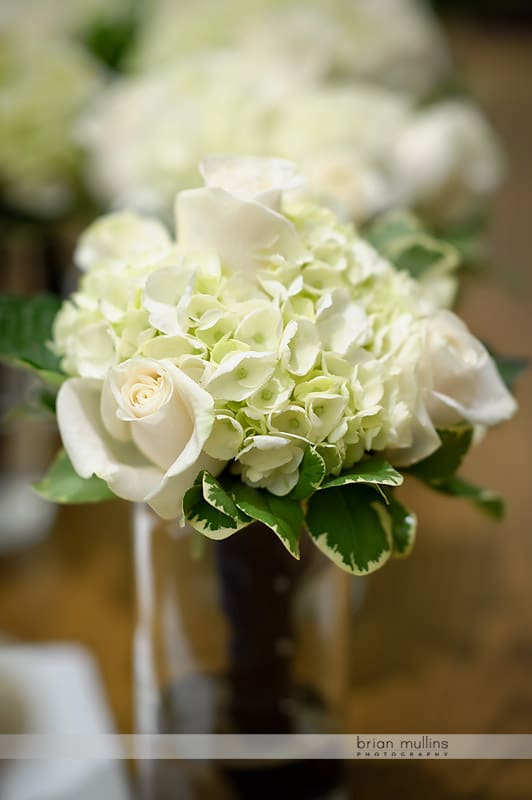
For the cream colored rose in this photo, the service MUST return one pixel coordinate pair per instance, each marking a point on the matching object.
(461, 379)
(142, 431)
(264, 180)
(234, 218)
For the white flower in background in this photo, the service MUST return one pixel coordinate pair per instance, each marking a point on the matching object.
(146, 135)
(447, 162)
(44, 86)
(362, 149)
(226, 103)
(323, 39)
(320, 341)
(341, 137)
(353, 188)
(142, 431)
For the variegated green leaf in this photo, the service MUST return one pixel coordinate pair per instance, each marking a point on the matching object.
(403, 240)
(420, 254)
(390, 226)
(206, 519)
(373, 470)
(455, 442)
(331, 458)
(62, 484)
(352, 527)
(311, 474)
(281, 514)
(487, 501)
(218, 498)
(404, 526)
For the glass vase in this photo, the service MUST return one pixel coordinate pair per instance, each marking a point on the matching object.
(237, 636)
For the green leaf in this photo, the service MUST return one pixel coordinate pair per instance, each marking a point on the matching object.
(282, 514)
(455, 443)
(62, 484)
(404, 525)
(352, 527)
(372, 470)
(25, 329)
(218, 498)
(390, 226)
(468, 236)
(331, 458)
(487, 501)
(111, 41)
(207, 519)
(401, 238)
(311, 474)
(422, 254)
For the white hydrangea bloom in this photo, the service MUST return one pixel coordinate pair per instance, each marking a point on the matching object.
(354, 357)
(44, 86)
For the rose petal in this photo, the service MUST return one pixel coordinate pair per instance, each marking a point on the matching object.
(243, 234)
(252, 178)
(91, 448)
(464, 380)
(166, 501)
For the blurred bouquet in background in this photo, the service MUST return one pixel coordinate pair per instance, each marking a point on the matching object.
(362, 94)
(363, 148)
(358, 92)
(393, 43)
(49, 73)
(44, 89)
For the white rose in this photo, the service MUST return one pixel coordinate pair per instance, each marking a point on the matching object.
(447, 161)
(142, 431)
(238, 223)
(264, 180)
(461, 379)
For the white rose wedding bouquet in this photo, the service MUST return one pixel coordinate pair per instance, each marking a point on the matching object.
(266, 365)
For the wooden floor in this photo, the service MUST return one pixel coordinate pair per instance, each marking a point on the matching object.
(443, 641)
